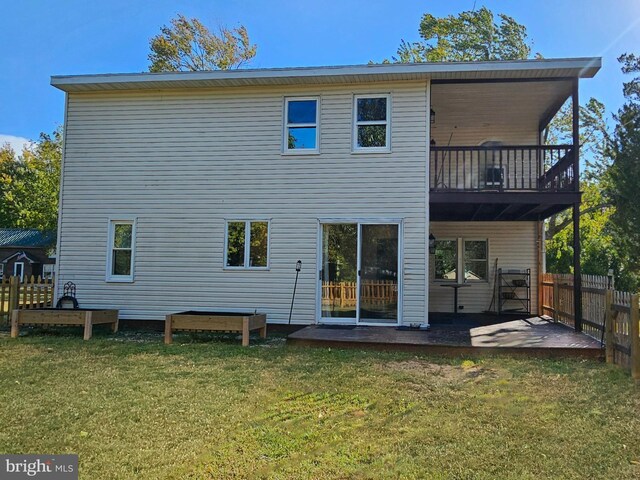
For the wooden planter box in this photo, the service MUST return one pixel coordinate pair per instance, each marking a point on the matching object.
(64, 317)
(215, 322)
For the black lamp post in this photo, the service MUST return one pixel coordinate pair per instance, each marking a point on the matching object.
(293, 297)
(432, 244)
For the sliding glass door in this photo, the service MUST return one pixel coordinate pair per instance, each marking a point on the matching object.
(339, 274)
(378, 274)
(359, 273)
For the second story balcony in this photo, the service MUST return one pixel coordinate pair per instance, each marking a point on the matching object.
(501, 182)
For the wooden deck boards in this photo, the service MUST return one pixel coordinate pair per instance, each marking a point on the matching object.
(533, 337)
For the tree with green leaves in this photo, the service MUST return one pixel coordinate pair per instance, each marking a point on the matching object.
(188, 45)
(624, 175)
(474, 35)
(29, 183)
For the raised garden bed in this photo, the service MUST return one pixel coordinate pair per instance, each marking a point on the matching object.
(216, 322)
(51, 317)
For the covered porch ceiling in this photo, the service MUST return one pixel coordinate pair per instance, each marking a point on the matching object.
(512, 111)
(487, 206)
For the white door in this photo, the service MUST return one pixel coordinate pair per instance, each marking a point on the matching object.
(18, 270)
(359, 273)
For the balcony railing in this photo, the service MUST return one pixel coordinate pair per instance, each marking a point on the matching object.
(505, 168)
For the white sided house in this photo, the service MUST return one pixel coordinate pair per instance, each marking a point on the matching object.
(394, 185)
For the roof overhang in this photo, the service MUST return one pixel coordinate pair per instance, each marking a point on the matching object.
(20, 256)
(453, 71)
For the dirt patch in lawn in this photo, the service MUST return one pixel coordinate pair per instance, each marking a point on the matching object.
(466, 371)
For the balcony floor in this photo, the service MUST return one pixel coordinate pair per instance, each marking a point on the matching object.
(491, 206)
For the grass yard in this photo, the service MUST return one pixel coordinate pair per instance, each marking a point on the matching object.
(205, 407)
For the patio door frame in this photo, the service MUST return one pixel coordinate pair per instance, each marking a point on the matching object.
(359, 222)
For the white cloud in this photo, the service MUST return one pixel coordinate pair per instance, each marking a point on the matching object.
(17, 143)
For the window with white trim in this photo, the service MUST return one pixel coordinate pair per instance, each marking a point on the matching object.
(48, 271)
(247, 244)
(301, 125)
(121, 253)
(475, 260)
(461, 260)
(371, 126)
(446, 260)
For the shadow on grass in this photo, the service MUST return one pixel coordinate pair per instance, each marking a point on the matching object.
(206, 346)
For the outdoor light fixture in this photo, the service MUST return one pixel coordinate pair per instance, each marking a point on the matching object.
(432, 115)
(295, 285)
(432, 244)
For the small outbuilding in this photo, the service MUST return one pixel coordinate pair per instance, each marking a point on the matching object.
(26, 252)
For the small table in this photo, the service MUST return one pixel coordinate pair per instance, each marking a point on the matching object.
(455, 287)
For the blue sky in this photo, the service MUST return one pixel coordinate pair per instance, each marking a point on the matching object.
(42, 38)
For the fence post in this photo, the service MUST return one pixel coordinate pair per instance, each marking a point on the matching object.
(14, 294)
(556, 300)
(634, 332)
(608, 326)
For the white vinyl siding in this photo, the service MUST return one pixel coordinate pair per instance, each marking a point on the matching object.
(514, 244)
(188, 160)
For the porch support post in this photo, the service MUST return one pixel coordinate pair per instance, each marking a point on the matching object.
(577, 274)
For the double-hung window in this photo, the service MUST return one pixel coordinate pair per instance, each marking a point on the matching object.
(120, 256)
(301, 125)
(446, 260)
(48, 271)
(475, 260)
(247, 244)
(371, 126)
(462, 260)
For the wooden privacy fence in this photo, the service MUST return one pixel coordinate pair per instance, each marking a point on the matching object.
(607, 314)
(31, 292)
(344, 294)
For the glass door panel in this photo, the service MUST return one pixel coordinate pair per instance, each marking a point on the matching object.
(379, 274)
(339, 274)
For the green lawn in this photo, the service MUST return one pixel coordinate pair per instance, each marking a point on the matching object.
(205, 407)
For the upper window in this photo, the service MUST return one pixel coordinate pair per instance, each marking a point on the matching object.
(446, 260)
(475, 260)
(301, 121)
(121, 250)
(247, 244)
(371, 125)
